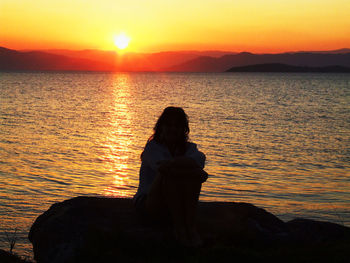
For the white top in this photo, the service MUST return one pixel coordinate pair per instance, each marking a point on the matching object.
(152, 155)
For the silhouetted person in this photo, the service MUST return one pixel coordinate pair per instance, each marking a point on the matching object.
(171, 176)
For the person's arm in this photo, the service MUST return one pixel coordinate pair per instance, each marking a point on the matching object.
(183, 166)
(191, 164)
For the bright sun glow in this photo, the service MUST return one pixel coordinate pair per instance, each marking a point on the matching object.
(121, 41)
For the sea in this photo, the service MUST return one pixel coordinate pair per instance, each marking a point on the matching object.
(280, 141)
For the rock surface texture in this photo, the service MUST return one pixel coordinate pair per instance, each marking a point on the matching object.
(95, 229)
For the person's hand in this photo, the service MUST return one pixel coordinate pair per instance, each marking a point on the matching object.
(182, 166)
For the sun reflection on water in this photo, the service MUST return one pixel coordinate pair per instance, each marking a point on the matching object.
(119, 138)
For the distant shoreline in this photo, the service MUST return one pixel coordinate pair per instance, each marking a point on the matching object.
(245, 69)
(164, 62)
(284, 68)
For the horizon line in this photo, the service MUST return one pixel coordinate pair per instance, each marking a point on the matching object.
(175, 51)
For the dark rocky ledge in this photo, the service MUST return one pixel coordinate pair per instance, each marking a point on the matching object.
(93, 229)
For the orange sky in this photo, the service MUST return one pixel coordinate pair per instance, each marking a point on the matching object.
(159, 25)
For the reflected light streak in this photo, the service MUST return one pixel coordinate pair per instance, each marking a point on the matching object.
(119, 138)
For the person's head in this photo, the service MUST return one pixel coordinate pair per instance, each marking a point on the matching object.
(172, 127)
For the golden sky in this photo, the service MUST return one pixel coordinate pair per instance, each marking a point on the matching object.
(160, 25)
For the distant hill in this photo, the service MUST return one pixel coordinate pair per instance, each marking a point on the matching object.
(172, 61)
(277, 67)
(37, 60)
(210, 64)
(138, 61)
(337, 51)
(96, 60)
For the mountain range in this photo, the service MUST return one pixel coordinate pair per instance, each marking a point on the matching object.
(278, 67)
(173, 61)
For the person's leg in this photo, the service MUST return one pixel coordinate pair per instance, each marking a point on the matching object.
(155, 205)
(192, 191)
(181, 192)
(174, 196)
(177, 191)
(167, 196)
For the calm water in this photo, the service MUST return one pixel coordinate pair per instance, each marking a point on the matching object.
(279, 141)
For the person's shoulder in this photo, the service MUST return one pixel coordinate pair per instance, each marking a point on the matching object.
(153, 145)
(150, 149)
(191, 144)
(192, 148)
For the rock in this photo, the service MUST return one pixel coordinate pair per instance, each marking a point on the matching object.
(95, 229)
(311, 231)
(7, 257)
(229, 222)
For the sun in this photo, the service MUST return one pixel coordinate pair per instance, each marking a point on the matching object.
(121, 41)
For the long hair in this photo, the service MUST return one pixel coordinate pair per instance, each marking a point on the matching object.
(169, 115)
